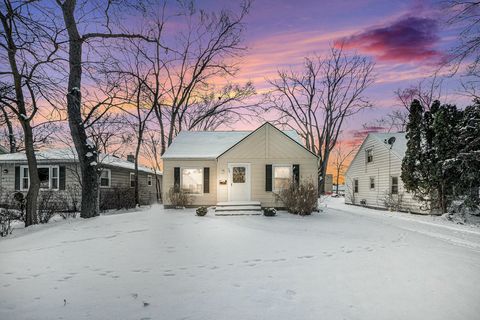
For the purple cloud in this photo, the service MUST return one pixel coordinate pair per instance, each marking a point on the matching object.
(407, 39)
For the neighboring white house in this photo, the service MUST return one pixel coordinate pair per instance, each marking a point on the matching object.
(236, 166)
(373, 177)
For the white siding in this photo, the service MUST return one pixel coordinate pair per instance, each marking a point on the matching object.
(385, 165)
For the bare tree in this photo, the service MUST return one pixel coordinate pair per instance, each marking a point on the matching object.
(342, 153)
(425, 91)
(29, 45)
(465, 14)
(316, 101)
(202, 54)
(86, 150)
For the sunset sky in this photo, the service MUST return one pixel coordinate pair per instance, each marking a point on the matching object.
(406, 40)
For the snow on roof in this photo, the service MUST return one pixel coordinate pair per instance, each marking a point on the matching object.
(3, 150)
(399, 147)
(69, 155)
(208, 144)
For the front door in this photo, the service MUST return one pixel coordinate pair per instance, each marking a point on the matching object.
(238, 182)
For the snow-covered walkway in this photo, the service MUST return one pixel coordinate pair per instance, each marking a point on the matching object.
(344, 263)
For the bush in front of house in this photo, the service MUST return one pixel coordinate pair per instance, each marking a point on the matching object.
(201, 211)
(117, 198)
(269, 212)
(178, 198)
(301, 199)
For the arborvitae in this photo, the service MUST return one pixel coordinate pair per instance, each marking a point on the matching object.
(445, 129)
(412, 160)
(467, 162)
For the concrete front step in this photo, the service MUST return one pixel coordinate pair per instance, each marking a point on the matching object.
(236, 208)
(238, 203)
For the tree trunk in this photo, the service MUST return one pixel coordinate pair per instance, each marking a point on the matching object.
(31, 201)
(31, 216)
(87, 153)
(11, 137)
(137, 152)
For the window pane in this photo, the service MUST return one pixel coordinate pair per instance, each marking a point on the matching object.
(54, 172)
(104, 182)
(25, 172)
(282, 177)
(25, 183)
(132, 180)
(44, 176)
(192, 180)
(54, 183)
(239, 175)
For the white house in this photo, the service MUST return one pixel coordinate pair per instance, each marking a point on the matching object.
(236, 167)
(373, 177)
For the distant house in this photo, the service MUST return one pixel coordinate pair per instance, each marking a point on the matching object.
(236, 167)
(59, 171)
(373, 177)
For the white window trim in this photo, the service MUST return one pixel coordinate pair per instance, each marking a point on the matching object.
(109, 171)
(22, 176)
(366, 155)
(273, 174)
(181, 180)
(149, 180)
(358, 185)
(391, 184)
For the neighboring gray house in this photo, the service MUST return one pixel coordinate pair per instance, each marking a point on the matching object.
(59, 171)
(3, 150)
(373, 177)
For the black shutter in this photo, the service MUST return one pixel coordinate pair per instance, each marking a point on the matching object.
(62, 178)
(206, 180)
(176, 179)
(268, 177)
(296, 174)
(17, 178)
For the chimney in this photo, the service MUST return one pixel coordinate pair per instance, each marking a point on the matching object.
(130, 158)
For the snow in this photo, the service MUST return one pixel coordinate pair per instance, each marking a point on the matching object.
(70, 155)
(89, 155)
(344, 263)
(208, 144)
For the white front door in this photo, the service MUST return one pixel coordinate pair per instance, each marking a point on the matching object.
(238, 182)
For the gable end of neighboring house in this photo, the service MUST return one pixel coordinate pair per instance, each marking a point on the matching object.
(373, 177)
(248, 169)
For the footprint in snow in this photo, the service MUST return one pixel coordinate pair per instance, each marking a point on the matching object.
(169, 274)
(349, 251)
(290, 293)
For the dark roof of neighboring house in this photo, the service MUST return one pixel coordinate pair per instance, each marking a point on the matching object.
(69, 155)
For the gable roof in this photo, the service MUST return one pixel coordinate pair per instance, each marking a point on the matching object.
(210, 144)
(69, 155)
(398, 148)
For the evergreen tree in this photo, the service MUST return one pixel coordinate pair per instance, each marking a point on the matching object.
(467, 163)
(445, 147)
(412, 160)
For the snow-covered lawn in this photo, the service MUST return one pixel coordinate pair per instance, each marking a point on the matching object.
(344, 263)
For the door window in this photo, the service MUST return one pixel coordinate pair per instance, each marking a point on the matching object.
(238, 175)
